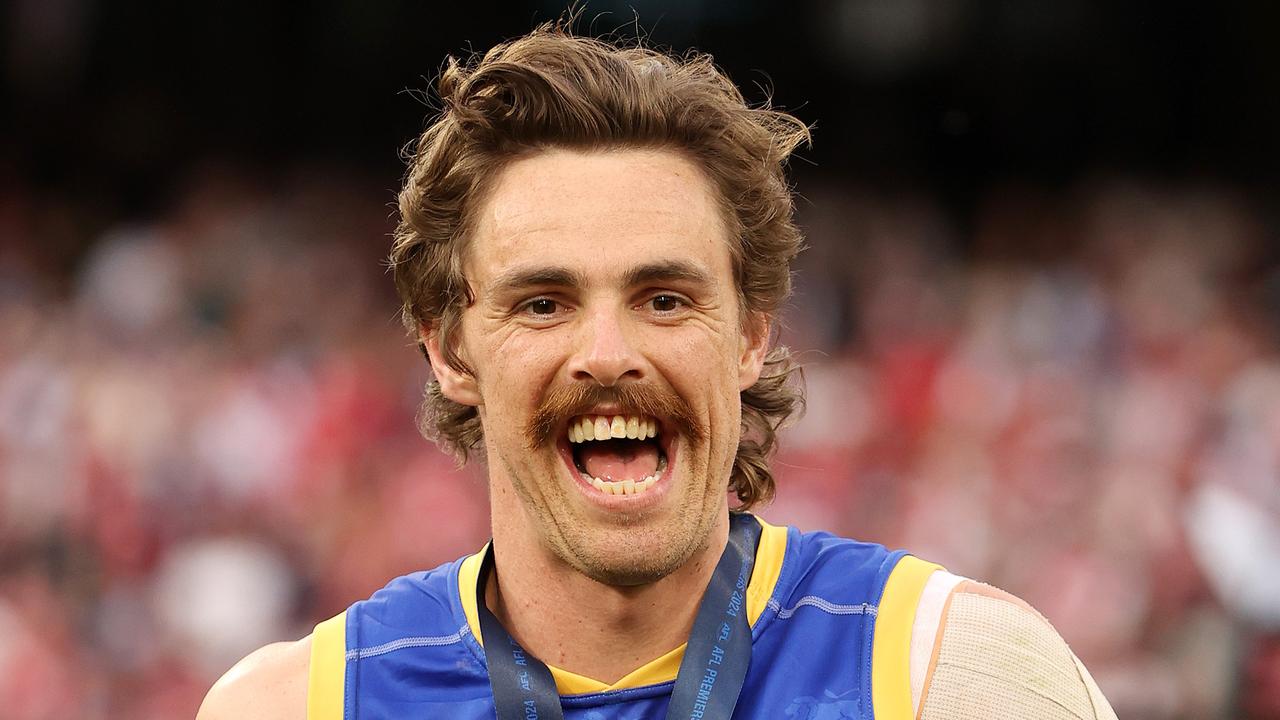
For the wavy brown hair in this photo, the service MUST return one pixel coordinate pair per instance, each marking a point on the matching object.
(552, 88)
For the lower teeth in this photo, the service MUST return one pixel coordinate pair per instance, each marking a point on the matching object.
(623, 487)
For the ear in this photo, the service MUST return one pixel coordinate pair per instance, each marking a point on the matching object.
(754, 348)
(458, 386)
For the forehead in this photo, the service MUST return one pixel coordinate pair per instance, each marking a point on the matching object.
(599, 213)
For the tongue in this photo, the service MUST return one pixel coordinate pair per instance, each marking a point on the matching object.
(619, 459)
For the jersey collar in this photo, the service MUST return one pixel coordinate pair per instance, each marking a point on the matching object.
(764, 577)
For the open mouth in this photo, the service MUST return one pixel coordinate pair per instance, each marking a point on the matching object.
(617, 454)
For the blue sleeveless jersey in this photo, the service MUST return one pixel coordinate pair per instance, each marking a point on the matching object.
(831, 629)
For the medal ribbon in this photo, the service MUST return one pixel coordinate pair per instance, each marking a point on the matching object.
(715, 660)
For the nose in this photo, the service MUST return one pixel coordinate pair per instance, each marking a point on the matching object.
(604, 351)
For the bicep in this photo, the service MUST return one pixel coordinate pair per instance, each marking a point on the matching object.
(270, 683)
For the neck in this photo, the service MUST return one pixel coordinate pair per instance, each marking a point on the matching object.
(599, 631)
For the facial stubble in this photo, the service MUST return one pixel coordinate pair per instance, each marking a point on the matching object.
(587, 546)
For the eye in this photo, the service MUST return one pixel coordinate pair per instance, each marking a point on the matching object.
(541, 306)
(666, 303)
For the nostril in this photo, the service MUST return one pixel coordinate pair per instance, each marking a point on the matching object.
(607, 374)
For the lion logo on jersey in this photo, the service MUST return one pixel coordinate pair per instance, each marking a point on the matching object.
(831, 707)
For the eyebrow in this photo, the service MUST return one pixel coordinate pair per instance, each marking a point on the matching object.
(524, 278)
(666, 271)
(557, 276)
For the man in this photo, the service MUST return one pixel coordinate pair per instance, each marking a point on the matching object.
(594, 242)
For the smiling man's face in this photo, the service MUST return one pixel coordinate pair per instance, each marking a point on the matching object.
(608, 351)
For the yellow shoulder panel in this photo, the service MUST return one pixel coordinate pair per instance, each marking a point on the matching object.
(891, 647)
(327, 674)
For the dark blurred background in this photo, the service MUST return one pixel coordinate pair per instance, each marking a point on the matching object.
(1040, 315)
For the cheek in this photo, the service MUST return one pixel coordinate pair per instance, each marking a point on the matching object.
(700, 348)
(705, 372)
(511, 381)
(512, 359)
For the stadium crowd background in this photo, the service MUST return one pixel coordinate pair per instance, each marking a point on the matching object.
(1040, 316)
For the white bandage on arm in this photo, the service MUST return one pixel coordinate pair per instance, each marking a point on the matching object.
(979, 653)
(924, 631)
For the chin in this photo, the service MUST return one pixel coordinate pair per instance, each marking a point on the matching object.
(621, 561)
(626, 571)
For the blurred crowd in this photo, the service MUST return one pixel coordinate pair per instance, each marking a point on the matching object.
(208, 432)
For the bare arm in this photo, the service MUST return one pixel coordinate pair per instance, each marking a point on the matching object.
(268, 684)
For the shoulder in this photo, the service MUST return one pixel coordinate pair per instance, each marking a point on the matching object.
(978, 651)
(818, 560)
(270, 683)
(273, 682)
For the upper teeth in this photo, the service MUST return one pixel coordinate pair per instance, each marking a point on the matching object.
(603, 427)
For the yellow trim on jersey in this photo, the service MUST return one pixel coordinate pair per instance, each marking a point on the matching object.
(891, 647)
(327, 673)
(663, 669)
(468, 575)
(764, 576)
